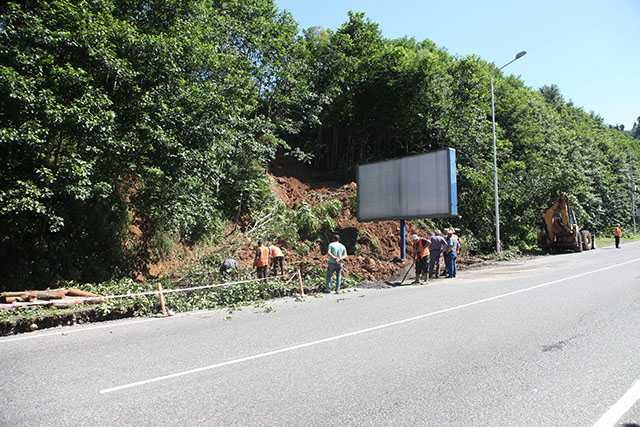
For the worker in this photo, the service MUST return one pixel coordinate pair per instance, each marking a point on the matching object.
(276, 258)
(261, 261)
(617, 233)
(337, 253)
(451, 254)
(437, 244)
(453, 230)
(229, 267)
(459, 241)
(421, 257)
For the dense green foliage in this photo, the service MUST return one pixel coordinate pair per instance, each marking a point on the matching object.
(388, 98)
(129, 125)
(121, 113)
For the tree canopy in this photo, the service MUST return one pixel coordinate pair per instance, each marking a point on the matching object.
(389, 98)
(129, 113)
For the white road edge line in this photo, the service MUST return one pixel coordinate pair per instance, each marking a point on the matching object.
(354, 333)
(621, 407)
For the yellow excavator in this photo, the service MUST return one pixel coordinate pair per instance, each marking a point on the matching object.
(559, 229)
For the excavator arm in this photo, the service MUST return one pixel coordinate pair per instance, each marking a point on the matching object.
(560, 228)
(558, 224)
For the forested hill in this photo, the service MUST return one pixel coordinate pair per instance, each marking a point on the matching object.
(127, 126)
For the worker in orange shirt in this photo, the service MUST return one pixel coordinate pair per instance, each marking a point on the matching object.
(276, 258)
(421, 257)
(617, 233)
(261, 261)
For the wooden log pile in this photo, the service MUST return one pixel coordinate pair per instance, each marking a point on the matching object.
(60, 298)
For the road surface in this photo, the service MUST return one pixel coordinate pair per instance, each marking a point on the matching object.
(548, 341)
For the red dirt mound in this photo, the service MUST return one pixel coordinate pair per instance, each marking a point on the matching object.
(376, 244)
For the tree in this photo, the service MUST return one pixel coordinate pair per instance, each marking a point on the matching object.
(120, 115)
(387, 98)
(552, 95)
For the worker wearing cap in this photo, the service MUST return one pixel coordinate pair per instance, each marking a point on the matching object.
(421, 257)
(451, 254)
(229, 267)
(261, 261)
(436, 248)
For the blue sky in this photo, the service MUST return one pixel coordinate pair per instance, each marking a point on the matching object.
(589, 48)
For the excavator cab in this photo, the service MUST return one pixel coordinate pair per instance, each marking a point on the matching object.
(559, 229)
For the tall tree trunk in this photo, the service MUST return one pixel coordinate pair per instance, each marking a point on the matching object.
(319, 144)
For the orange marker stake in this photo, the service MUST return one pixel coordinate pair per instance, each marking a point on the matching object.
(300, 282)
(164, 309)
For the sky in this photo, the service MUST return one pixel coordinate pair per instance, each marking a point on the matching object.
(588, 48)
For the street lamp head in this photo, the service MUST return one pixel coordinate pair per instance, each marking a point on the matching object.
(520, 54)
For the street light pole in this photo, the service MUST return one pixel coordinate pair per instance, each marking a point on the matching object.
(633, 192)
(495, 157)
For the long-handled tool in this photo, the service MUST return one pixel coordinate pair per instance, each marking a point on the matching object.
(407, 273)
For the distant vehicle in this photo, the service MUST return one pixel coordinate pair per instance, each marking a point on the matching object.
(559, 229)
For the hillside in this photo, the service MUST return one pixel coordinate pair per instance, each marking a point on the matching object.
(171, 138)
(376, 244)
(374, 252)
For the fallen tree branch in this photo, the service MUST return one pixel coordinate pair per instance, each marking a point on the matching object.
(260, 223)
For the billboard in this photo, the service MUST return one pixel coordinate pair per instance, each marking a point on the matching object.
(420, 186)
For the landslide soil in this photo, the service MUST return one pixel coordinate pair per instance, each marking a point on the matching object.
(373, 247)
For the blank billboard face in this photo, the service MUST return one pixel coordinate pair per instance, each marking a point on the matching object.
(421, 186)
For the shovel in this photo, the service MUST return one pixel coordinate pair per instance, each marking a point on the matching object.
(407, 273)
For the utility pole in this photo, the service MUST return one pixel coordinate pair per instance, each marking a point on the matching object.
(495, 157)
(633, 192)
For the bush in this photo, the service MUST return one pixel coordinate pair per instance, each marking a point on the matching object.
(364, 236)
(330, 208)
(353, 204)
(328, 224)
(307, 222)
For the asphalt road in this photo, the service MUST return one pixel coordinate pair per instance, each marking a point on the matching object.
(550, 341)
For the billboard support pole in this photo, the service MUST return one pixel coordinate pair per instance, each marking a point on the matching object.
(402, 239)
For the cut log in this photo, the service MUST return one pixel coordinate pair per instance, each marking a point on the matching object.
(49, 294)
(66, 303)
(15, 296)
(13, 293)
(10, 300)
(72, 292)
